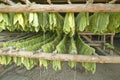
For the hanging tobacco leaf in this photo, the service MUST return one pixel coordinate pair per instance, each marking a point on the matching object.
(56, 22)
(34, 22)
(69, 24)
(82, 21)
(85, 49)
(60, 48)
(5, 60)
(72, 50)
(44, 20)
(99, 22)
(114, 22)
(29, 63)
(17, 61)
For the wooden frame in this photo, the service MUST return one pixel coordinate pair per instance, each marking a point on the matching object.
(98, 7)
(98, 44)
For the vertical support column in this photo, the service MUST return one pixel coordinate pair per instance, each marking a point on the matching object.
(104, 40)
(112, 42)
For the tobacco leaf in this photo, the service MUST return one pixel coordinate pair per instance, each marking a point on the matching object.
(69, 24)
(99, 22)
(72, 50)
(82, 21)
(114, 22)
(85, 49)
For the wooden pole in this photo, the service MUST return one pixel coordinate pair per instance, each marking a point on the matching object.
(89, 33)
(62, 8)
(58, 1)
(65, 57)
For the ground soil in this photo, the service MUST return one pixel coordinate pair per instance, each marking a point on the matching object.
(103, 72)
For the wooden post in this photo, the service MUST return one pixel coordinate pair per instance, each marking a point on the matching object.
(104, 40)
(112, 43)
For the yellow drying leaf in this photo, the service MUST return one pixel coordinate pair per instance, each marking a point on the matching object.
(31, 17)
(35, 20)
(18, 19)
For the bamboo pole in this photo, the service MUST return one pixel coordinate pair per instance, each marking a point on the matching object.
(61, 8)
(65, 57)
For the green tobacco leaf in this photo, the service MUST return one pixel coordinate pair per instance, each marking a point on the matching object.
(50, 47)
(82, 21)
(99, 22)
(1, 17)
(56, 65)
(69, 24)
(29, 63)
(2, 25)
(38, 45)
(11, 26)
(60, 48)
(56, 22)
(17, 61)
(33, 21)
(19, 21)
(26, 63)
(44, 20)
(43, 63)
(114, 22)
(60, 21)
(15, 19)
(5, 60)
(29, 42)
(52, 20)
(6, 21)
(85, 49)
(72, 50)
(110, 46)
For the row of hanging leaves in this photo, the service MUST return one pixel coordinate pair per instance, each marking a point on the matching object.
(98, 22)
(52, 44)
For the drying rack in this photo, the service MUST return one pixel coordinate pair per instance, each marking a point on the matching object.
(74, 7)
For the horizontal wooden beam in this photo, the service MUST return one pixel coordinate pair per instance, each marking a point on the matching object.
(95, 45)
(65, 57)
(62, 8)
(57, 1)
(89, 33)
(65, 1)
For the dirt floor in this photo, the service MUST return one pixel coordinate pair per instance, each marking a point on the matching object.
(103, 72)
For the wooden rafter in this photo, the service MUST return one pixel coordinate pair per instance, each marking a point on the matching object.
(61, 8)
(64, 1)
